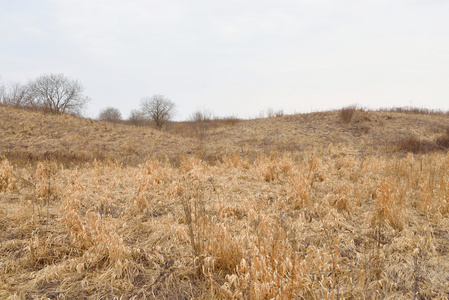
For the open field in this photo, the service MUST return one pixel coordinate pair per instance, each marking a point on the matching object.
(292, 207)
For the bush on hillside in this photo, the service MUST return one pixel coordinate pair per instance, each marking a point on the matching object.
(110, 114)
(346, 113)
(415, 145)
(136, 117)
(443, 141)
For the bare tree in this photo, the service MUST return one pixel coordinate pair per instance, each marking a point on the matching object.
(202, 115)
(158, 109)
(15, 94)
(136, 117)
(58, 93)
(18, 95)
(2, 92)
(110, 114)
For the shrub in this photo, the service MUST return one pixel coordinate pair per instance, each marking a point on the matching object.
(136, 117)
(346, 113)
(201, 116)
(230, 120)
(272, 113)
(199, 122)
(110, 114)
(415, 145)
(443, 141)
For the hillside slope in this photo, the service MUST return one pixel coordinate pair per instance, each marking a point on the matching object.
(33, 135)
(29, 135)
(368, 132)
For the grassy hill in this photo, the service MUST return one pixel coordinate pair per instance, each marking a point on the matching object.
(367, 132)
(28, 135)
(250, 209)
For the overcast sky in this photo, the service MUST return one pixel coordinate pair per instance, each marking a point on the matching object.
(234, 57)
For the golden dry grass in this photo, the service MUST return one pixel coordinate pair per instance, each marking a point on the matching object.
(367, 133)
(261, 221)
(31, 136)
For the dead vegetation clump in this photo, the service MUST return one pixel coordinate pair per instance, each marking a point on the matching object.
(7, 180)
(416, 145)
(443, 140)
(346, 113)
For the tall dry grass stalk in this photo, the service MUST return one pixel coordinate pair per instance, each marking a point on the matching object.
(7, 179)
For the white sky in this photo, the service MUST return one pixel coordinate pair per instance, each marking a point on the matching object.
(234, 57)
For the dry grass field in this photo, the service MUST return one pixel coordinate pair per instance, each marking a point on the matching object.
(305, 206)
